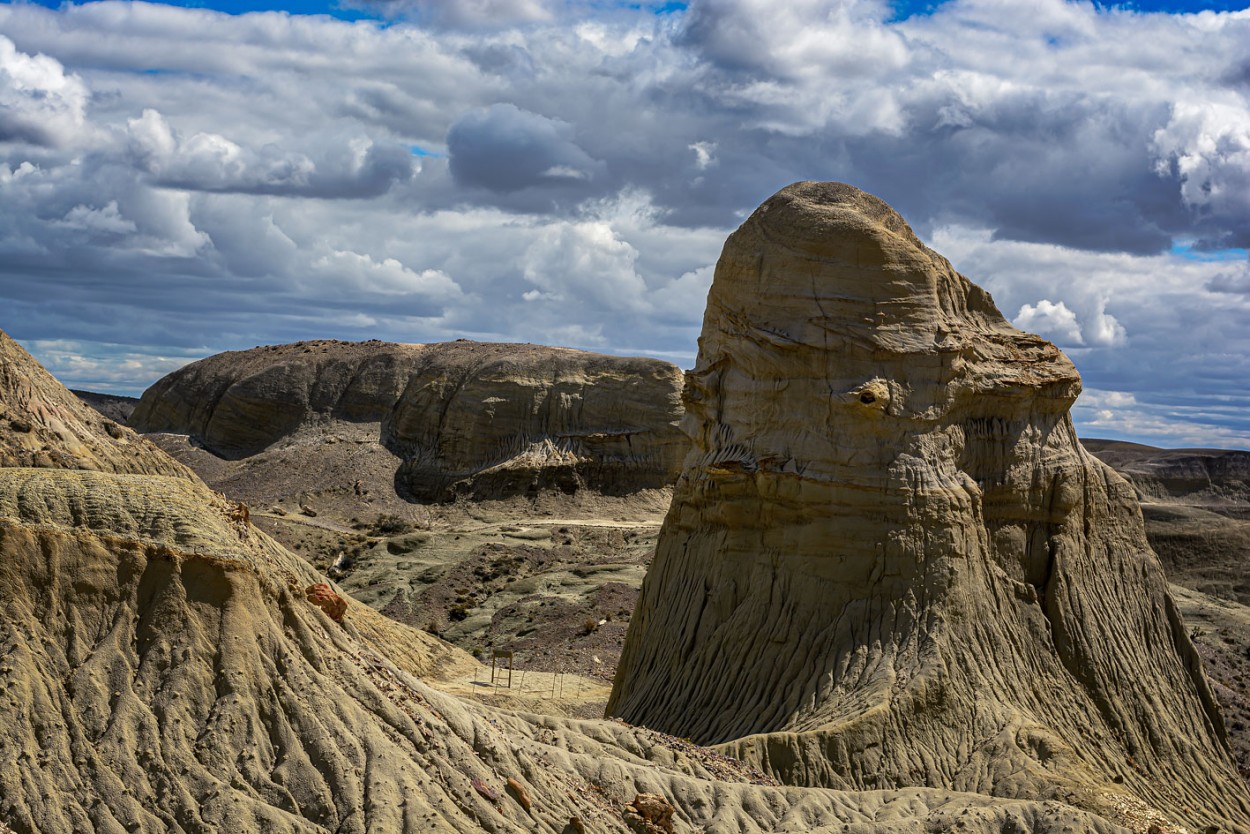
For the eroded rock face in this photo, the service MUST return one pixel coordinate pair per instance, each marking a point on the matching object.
(162, 670)
(45, 426)
(890, 562)
(464, 418)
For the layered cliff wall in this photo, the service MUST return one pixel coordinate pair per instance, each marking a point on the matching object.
(890, 562)
(488, 420)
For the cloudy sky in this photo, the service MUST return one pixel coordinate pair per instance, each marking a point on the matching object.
(177, 181)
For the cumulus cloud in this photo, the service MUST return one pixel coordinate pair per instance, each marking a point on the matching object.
(505, 148)
(484, 14)
(1052, 320)
(584, 263)
(1207, 145)
(39, 102)
(211, 162)
(202, 181)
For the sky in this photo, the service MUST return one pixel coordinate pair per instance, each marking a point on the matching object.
(179, 180)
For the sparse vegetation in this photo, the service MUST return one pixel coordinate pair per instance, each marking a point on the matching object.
(388, 524)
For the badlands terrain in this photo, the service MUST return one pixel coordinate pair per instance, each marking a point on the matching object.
(857, 552)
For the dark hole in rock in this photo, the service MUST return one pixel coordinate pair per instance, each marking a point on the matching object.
(867, 398)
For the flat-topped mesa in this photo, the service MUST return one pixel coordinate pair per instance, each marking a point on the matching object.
(889, 561)
(488, 419)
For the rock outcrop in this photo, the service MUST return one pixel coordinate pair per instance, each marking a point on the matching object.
(489, 420)
(889, 562)
(1201, 477)
(43, 425)
(161, 670)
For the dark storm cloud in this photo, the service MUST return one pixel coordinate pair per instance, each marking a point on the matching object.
(504, 148)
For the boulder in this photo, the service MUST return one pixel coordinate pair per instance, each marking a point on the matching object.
(324, 597)
(889, 562)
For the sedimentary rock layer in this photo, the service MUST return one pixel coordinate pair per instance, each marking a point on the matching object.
(889, 561)
(43, 425)
(163, 670)
(463, 417)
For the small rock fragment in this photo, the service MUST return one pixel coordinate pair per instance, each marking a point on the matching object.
(323, 596)
(485, 790)
(520, 794)
(650, 813)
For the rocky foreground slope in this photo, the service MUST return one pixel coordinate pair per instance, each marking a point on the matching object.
(166, 667)
(487, 420)
(889, 562)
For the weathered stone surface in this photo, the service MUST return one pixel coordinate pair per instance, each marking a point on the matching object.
(889, 561)
(1196, 504)
(323, 596)
(650, 813)
(1215, 478)
(44, 425)
(160, 670)
(464, 418)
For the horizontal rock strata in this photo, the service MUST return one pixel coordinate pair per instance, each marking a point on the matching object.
(889, 562)
(464, 418)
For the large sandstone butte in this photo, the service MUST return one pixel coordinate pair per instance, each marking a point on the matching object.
(888, 560)
(162, 670)
(489, 420)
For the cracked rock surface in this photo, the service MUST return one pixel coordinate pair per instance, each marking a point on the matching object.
(889, 562)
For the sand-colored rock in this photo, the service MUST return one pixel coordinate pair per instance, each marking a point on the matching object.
(489, 420)
(43, 425)
(889, 561)
(161, 670)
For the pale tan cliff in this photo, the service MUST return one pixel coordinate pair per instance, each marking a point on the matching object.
(161, 670)
(889, 561)
(489, 420)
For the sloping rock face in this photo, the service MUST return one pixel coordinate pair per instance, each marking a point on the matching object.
(890, 562)
(43, 425)
(489, 420)
(161, 670)
(1210, 477)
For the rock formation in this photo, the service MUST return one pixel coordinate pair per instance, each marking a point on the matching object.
(484, 419)
(43, 425)
(889, 562)
(161, 670)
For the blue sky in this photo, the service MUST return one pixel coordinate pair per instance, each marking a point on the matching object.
(903, 8)
(178, 181)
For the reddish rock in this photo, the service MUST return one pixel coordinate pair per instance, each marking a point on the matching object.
(485, 790)
(650, 813)
(520, 794)
(323, 596)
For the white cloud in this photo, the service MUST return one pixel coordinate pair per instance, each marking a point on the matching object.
(1208, 143)
(39, 102)
(1052, 320)
(360, 273)
(585, 264)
